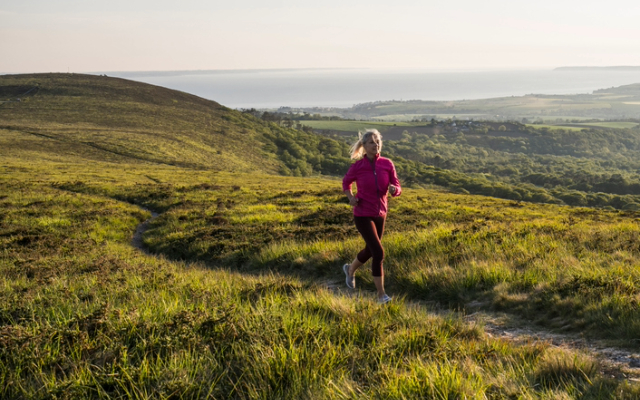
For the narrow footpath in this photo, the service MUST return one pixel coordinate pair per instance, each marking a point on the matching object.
(141, 229)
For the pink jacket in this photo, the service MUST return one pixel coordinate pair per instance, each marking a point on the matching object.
(372, 180)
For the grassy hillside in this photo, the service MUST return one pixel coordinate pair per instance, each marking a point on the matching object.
(243, 297)
(97, 118)
(71, 117)
(566, 267)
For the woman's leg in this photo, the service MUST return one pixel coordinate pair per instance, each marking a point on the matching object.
(371, 229)
(353, 267)
(379, 282)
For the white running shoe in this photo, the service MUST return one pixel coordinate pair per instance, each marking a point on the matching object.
(384, 299)
(351, 280)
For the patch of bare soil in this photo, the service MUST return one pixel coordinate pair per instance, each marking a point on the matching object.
(140, 230)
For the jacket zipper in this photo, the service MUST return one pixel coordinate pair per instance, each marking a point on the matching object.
(375, 176)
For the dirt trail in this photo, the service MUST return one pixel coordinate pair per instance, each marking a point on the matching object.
(616, 362)
(141, 229)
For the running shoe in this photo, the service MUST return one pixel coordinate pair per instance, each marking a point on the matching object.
(384, 299)
(351, 280)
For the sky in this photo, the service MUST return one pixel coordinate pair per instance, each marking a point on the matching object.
(162, 35)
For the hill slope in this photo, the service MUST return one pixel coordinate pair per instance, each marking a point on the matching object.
(84, 117)
(73, 118)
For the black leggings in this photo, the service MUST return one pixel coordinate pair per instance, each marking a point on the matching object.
(371, 229)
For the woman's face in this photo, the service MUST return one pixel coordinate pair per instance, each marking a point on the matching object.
(372, 146)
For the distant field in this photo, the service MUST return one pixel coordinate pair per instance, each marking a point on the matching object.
(616, 125)
(397, 117)
(555, 105)
(584, 125)
(383, 126)
(553, 119)
(612, 97)
(570, 128)
(409, 117)
(353, 126)
(460, 116)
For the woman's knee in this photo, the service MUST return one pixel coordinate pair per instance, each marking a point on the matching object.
(364, 256)
(378, 254)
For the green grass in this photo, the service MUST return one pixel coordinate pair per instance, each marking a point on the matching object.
(245, 314)
(244, 297)
(95, 118)
(561, 267)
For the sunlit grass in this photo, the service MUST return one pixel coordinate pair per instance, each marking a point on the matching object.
(261, 214)
(102, 319)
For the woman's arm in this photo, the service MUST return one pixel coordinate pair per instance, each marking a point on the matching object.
(348, 179)
(353, 200)
(394, 184)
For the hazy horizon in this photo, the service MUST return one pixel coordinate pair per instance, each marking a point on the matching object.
(346, 87)
(76, 36)
(365, 69)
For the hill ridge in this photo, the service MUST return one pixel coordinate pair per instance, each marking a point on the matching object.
(153, 124)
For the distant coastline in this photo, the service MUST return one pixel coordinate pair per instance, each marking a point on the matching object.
(138, 74)
(342, 88)
(612, 68)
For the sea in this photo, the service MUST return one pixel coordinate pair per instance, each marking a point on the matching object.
(343, 88)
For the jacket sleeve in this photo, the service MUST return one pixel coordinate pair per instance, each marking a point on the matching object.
(349, 178)
(393, 179)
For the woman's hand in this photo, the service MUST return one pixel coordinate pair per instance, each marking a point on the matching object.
(353, 200)
(392, 189)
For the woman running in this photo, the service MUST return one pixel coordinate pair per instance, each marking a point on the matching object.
(374, 177)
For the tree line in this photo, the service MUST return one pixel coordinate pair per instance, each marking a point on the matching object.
(594, 167)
